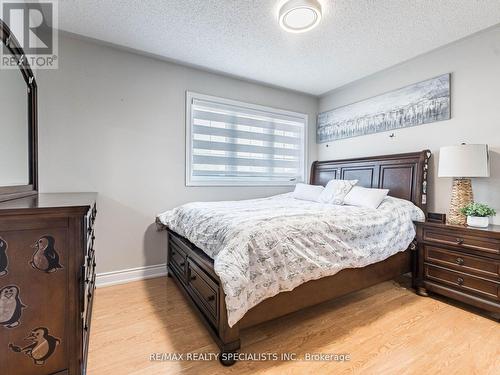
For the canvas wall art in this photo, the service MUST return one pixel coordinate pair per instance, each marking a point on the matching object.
(417, 104)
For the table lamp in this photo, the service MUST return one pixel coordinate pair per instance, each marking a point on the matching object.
(462, 162)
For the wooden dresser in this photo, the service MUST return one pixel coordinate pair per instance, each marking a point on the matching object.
(47, 281)
(460, 262)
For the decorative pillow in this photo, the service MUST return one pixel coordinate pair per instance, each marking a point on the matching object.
(365, 197)
(336, 190)
(307, 192)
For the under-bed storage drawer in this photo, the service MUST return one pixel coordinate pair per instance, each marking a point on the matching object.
(178, 260)
(204, 290)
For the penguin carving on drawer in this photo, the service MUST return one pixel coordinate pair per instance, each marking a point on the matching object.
(45, 258)
(10, 306)
(4, 261)
(42, 345)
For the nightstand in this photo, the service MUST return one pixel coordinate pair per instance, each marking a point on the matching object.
(459, 262)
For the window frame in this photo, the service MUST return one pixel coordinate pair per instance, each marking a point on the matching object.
(190, 95)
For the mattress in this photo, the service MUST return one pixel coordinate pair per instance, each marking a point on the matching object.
(262, 247)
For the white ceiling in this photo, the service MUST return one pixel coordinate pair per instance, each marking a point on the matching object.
(241, 37)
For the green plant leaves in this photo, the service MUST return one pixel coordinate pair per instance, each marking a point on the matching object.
(478, 210)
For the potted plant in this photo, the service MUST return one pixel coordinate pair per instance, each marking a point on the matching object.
(478, 214)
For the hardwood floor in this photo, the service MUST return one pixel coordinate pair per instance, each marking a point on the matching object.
(386, 329)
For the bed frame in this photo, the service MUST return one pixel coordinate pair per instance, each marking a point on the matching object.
(193, 271)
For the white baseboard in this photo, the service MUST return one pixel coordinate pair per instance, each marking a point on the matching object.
(129, 275)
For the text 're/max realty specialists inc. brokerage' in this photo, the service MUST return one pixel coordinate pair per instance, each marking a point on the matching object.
(261, 357)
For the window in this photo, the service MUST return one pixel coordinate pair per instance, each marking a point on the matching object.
(234, 143)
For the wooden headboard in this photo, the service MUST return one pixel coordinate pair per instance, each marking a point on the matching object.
(405, 175)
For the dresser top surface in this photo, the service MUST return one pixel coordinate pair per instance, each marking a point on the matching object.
(491, 230)
(49, 201)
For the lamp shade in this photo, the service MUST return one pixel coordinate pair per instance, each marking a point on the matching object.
(464, 161)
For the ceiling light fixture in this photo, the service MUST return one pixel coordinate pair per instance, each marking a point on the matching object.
(298, 16)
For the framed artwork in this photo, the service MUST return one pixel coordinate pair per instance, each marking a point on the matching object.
(421, 103)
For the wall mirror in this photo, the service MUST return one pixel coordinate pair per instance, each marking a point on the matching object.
(18, 122)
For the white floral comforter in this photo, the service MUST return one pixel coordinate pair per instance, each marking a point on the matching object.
(262, 247)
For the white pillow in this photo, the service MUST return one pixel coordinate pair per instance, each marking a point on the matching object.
(365, 197)
(307, 192)
(336, 190)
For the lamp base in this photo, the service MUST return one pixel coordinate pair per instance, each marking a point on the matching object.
(461, 196)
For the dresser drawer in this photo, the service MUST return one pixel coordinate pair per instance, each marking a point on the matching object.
(90, 221)
(90, 242)
(466, 263)
(90, 266)
(87, 314)
(204, 289)
(451, 237)
(94, 213)
(88, 298)
(463, 281)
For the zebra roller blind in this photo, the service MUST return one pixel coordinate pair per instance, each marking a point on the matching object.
(234, 143)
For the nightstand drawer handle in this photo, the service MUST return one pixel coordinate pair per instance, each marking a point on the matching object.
(460, 241)
(460, 261)
(460, 281)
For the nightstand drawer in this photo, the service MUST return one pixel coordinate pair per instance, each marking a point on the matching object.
(454, 238)
(461, 262)
(463, 281)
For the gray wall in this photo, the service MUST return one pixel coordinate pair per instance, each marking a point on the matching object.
(113, 122)
(475, 66)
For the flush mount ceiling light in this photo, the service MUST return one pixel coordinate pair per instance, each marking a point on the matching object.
(298, 16)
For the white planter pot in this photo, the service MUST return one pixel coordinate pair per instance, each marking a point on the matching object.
(481, 222)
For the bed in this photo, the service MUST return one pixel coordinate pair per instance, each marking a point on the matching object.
(228, 297)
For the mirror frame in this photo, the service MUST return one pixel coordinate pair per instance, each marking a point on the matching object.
(19, 191)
